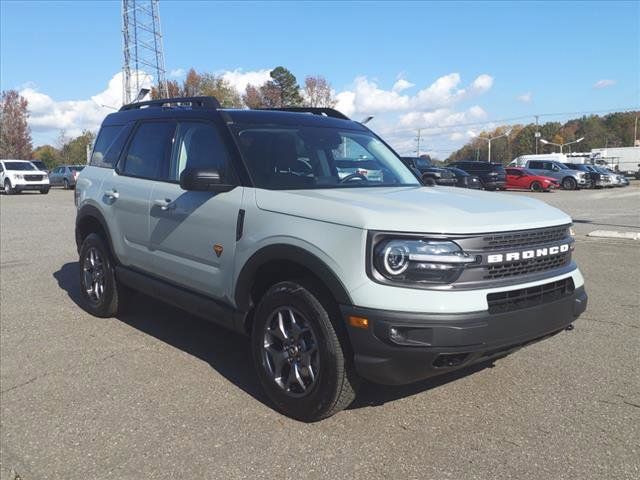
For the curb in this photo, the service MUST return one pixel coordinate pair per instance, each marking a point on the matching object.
(614, 234)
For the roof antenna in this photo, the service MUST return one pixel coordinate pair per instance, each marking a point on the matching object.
(367, 120)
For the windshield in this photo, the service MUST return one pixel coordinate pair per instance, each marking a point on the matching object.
(76, 168)
(301, 157)
(19, 166)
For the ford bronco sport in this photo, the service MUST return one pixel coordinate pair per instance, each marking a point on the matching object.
(241, 217)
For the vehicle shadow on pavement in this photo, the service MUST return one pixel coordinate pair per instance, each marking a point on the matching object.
(226, 351)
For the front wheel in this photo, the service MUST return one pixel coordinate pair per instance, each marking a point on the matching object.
(44, 191)
(66, 185)
(536, 187)
(569, 183)
(8, 189)
(300, 361)
(429, 181)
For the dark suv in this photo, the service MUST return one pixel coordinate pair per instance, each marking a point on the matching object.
(492, 175)
(430, 174)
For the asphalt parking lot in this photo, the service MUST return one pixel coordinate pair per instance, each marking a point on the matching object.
(157, 393)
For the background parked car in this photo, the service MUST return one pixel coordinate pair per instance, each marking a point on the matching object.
(568, 178)
(40, 166)
(521, 178)
(492, 175)
(19, 175)
(464, 179)
(65, 176)
(429, 173)
(595, 178)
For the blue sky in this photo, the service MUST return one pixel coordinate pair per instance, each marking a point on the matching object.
(494, 60)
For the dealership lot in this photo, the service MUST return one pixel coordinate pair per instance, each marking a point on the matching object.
(157, 393)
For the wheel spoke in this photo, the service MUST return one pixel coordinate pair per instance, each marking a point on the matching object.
(282, 331)
(278, 360)
(299, 377)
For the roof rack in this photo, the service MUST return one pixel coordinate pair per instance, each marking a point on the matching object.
(200, 102)
(327, 112)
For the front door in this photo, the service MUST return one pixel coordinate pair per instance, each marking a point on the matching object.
(192, 235)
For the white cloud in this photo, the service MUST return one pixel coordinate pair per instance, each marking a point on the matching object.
(456, 136)
(526, 97)
(604, 83)
(442, 117)
(239, 79)
(367, 97)
(402, 84)
(49, 116)
(177, 73)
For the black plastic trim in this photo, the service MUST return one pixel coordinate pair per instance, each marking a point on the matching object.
(240, 224)
(87, 211)
(201, 305)
(287, 253)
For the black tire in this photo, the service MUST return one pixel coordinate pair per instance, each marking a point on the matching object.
(429, 181)
(66, 185)
(8, 189)
(44, 191)
(335, 384)
(110, 303)
(569, 183)
(535, 187)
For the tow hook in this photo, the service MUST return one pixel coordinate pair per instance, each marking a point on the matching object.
(569, 327)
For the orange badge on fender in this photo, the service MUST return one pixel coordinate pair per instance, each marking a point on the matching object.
(218, 249)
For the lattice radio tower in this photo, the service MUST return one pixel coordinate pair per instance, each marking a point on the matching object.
(143, 53)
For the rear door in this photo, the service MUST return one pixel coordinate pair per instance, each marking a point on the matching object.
(127, 192)
(193, 234)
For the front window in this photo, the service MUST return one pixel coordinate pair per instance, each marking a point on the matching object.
(19, 166)
(301, 157)
(76, 168)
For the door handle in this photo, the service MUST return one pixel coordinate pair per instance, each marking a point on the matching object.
(113, 193)
(165, 204)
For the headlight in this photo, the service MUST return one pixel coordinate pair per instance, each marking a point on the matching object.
(421, 261)
(17, 176)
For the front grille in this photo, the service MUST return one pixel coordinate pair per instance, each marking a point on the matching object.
(525, 238)
(524, 267)
(502, 302)
(33, 178)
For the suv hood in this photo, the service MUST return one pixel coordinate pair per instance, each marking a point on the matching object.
(414, 209)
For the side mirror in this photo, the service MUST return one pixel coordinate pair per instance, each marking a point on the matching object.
(203, 180)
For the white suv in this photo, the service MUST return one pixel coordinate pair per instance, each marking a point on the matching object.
(20, 175)
(244, 218)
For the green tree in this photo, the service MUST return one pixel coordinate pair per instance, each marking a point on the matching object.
(47, 154)
(283, 89)
(74, 152)
(15, 135)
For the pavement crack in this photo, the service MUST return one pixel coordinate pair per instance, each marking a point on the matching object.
(631, 403)
(23, 384)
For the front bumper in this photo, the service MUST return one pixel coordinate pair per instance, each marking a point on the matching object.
(445, 342)
(21, 187)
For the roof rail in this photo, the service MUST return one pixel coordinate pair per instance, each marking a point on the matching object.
(327, 112)
(201, 102)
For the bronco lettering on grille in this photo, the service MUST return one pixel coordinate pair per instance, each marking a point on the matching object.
(527, 254)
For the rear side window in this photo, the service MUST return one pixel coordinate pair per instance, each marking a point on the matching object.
(148, 150)
(104, 142)
(535, 164)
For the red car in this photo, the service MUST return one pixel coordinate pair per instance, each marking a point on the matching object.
(521, 178)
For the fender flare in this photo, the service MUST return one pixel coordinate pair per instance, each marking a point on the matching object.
(89, 211)
(288, 253)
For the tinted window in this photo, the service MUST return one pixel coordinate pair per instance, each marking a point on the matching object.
(148, 149)
(535, 164)
(105, 139)
(198, 145)
(76, 168)
(1, 168)
(19, 166)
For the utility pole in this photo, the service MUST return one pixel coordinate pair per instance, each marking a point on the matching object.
(537, 134)
(635, 133)
(418, 143)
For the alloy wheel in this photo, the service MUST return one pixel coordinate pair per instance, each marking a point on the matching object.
(290, 352)
(93, 271)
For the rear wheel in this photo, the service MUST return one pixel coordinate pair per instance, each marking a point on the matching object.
(300, 361)
(44, 191)
(428, 181)
(569, 183)
(535, 187)
(101, 293)
(66, 185)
